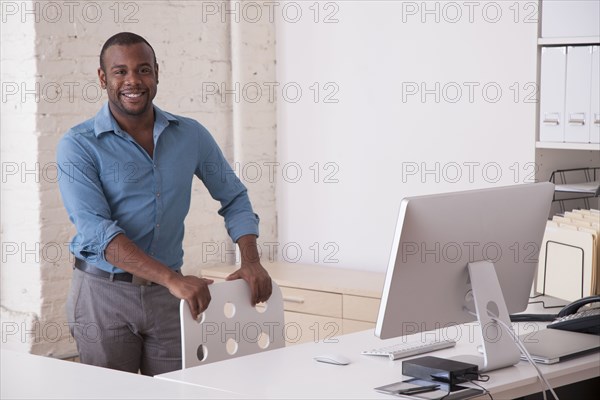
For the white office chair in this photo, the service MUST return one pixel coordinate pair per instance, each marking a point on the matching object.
(230, 327)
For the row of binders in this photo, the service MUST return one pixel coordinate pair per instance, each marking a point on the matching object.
(570, 256)
(570, 94)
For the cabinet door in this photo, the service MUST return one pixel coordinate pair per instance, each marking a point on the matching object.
(552, 90)
(577, 108)
(595, 97)
(312, 302)
(361, 308)
(304, 328)
(351, 326)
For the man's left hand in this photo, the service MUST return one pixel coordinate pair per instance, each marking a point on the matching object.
(258, 279)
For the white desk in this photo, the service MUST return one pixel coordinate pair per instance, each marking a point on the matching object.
(27, 376)
(292, 373)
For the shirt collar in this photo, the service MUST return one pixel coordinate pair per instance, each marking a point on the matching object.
(105, 122)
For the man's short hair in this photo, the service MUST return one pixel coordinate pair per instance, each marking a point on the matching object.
(123, 39)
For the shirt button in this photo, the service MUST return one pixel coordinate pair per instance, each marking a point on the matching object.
(158, 225)
(151, 253)
(157, 194)
(154, 165)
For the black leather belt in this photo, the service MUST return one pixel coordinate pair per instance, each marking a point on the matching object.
(122, 276)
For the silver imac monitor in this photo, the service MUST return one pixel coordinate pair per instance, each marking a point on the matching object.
(465, 256)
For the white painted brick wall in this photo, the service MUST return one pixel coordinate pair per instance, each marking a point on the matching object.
(62, 56)
(20, 205)
(253, 65)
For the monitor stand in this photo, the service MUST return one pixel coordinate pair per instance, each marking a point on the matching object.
(499, 347)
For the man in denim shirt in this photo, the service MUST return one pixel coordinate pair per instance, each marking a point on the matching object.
(126, 184)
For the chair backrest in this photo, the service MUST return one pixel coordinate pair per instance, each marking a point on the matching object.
(230, 327)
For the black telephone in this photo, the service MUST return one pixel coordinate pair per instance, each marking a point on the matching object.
(574, 317)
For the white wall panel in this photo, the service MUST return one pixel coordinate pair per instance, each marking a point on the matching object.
(424, 97)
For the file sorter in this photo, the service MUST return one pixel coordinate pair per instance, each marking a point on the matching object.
(570, 256)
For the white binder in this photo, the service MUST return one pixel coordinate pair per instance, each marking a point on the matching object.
(552, 90)
(577, 106)
(595, 97)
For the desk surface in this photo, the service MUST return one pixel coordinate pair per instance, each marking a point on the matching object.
(27, 376)
(292, 373)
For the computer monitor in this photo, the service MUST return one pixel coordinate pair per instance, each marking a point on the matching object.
(440, 238)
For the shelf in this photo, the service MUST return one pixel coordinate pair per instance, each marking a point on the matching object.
(568, 40)
(567, 146)
(591, 188)
(584, 184)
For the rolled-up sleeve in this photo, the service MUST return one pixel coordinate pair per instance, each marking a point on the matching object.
(225, 187)
(85, 202)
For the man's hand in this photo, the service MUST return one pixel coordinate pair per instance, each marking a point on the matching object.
(125, 254)
(252, 272)
(193, 290)
(258, 279)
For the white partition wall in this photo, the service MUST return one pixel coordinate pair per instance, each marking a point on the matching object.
(381, 100)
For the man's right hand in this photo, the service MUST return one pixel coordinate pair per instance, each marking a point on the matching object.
(193, 290)
(125, 254)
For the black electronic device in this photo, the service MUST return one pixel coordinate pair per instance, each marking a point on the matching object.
(440, 369)
(582, 315)
(415, 388)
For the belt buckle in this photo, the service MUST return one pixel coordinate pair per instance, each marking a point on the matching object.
(136, 280)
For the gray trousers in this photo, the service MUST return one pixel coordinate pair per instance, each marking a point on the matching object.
(123, 326)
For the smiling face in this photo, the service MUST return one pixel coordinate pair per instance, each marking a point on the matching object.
(130, 77)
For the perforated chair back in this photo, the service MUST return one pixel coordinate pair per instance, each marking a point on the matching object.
(230, 327)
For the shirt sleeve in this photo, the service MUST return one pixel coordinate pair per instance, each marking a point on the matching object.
(225, 187)
(86, 204)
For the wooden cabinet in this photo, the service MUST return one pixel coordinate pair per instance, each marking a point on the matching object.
(320, 303)
(302, 328)
(312, 302)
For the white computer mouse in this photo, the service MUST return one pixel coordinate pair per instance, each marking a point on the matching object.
(331, 358)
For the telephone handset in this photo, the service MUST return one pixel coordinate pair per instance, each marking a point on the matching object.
(577, 318)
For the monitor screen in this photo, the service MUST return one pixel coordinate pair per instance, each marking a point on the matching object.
(427, 283)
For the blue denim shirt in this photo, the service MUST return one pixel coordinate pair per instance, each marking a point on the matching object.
(110, 185)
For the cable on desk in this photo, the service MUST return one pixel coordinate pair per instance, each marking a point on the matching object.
(485, 391)
(524, 351)
(533, 317)
(544, 304)
(478, 378)
(474, 377)
(540, 301)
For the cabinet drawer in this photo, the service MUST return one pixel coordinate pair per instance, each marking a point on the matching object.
(361, 308)
(312, 302)
(351, 326)
(304, 328)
